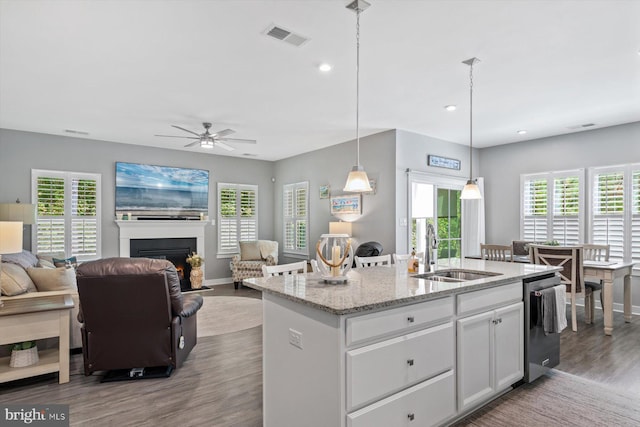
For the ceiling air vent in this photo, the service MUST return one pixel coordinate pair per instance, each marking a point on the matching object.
(586, 125)
(76, 132)
(285, 35)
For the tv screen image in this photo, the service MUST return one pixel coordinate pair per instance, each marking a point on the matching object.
(161, 191)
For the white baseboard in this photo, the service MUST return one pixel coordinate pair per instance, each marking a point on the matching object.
(214, 282)
(617, 307)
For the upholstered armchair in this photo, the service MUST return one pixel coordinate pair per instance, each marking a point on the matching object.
(133, 315)
(253, 255)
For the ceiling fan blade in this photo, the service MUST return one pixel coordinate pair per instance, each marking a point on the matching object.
(246, 141)
(174, 136)
(186, 130)
(193, 143)
(217, 143)
(224, 132)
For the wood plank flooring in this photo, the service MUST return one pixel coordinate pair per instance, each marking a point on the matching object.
(220, 384)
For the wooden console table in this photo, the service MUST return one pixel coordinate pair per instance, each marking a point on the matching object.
(34, 316)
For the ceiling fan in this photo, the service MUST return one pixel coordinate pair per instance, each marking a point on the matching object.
(210, 140)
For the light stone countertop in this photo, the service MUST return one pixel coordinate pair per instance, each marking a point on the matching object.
(375, 288)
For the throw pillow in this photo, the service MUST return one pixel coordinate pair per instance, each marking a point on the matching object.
(14, 280)
(268, 247)
(53, 279)
(249, 251)
(24, 259)
(66, 262)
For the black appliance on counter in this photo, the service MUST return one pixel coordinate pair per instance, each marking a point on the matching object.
(541, 352)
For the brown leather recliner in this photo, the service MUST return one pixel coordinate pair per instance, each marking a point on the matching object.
(134, 315)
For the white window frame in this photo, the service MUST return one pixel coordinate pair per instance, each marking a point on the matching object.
(551, 217)
(229, 252)
(629, 217)
(291, 216)
(68, 178)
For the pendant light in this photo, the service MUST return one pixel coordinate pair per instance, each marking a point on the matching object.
(471, 190)
(357, 181)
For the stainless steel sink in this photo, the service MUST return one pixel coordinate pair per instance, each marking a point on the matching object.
(455, 275)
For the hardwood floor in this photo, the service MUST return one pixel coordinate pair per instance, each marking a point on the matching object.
(220, 384)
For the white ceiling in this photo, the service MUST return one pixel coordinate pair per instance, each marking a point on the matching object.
(126, 70)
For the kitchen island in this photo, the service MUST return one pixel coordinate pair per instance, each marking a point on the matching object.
(389, 349)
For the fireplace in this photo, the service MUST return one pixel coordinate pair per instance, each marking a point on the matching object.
(175, 250)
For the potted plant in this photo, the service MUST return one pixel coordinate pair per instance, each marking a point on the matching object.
(24, 354)
(195, 261)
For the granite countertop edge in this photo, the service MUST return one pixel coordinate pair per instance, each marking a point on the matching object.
(469, 286)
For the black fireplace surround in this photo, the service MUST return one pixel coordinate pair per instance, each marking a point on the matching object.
(175, 250)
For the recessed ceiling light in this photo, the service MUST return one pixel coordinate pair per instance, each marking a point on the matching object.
(450, 107)
(522, 132)
(324, 67)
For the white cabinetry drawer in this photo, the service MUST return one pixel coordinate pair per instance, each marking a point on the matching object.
(362, 328)
(383, 368)
(488, 298)
(425, 404)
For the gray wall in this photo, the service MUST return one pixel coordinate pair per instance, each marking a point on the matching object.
(331, 166)
(412, 150)
(22, 151)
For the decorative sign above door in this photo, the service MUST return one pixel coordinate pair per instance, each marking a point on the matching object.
(443, 162)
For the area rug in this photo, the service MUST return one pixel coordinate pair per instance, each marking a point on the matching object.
(559, 399)
(222, 315)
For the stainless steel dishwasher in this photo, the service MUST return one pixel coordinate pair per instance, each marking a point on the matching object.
(541, 352)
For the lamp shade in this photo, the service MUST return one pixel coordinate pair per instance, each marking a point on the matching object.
(10, 237)
(471, 191)
(357, 181)
(24, 212)
(340, 227)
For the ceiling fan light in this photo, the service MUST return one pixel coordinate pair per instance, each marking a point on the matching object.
(471, 191)
(357, 181)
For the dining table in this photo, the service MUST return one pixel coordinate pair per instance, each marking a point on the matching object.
(608, 272)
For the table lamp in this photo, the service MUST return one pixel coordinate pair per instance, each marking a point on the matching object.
(10, 239)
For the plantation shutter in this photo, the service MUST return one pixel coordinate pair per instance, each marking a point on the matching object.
(68, 213)
(248, 217)
(289, 220)
(84, 223)
(534, 224)
(635, 215)
(608, 212)
(295, 210)
(237, 216)
(566, 210)
(50, 233)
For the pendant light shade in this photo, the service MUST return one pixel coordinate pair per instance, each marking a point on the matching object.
(471, 190)
(357, 181)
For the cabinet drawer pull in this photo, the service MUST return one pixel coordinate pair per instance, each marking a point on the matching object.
(411, 319)
(411, 416)
(410, 362)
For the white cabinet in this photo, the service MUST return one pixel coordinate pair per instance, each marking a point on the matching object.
(490, 353)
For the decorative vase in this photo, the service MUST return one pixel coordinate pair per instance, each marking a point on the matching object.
(196, 277)
(22, 358)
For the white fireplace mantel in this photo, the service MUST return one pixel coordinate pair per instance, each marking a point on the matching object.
(160, 229)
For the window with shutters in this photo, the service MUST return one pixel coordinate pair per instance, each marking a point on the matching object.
(615, 215)
(68, 213)
(296, 218)
(552, 207)
(237, 216)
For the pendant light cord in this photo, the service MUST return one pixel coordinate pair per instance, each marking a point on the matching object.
(471, 122)
(358, 86)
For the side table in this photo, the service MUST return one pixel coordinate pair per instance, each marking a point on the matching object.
(34, 316)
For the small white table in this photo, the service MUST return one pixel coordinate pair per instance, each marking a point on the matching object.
(35, 316)
(608, 272)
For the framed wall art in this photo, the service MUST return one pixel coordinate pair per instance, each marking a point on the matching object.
(325, 191)
(351, 204)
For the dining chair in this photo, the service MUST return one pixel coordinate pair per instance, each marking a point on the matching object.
(496, 252)
(373, 261)
(570, 258)
(594, 252)
(284, 269)
(314, 266)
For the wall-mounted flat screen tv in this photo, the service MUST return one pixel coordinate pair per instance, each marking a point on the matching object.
(161, 191)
